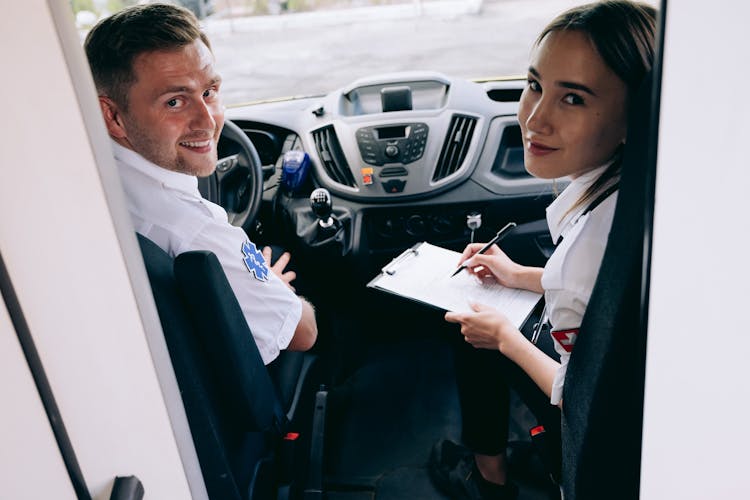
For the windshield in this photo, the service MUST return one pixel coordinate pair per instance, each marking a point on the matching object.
(268, 49)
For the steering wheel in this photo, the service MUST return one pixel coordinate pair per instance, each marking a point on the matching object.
(237, 183)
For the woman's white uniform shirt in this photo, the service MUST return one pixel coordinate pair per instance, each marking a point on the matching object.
(571, 271)
(167, 208)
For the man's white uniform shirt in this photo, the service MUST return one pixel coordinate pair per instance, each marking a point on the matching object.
(571, 271)
(167, 208)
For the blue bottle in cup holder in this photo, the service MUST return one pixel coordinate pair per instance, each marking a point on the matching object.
(294, 169)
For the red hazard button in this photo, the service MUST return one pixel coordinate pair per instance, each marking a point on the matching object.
(394, 186)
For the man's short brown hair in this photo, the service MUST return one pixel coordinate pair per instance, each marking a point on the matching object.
(114, 43)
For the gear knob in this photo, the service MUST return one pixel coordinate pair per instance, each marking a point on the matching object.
(322, 206)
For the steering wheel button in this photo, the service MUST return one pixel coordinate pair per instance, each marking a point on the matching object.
(225, 165)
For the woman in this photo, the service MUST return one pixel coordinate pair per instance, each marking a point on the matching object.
(584, 68)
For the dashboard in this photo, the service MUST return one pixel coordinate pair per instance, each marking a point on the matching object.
(406, 157)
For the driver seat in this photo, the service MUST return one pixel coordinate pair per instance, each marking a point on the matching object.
(238, 415)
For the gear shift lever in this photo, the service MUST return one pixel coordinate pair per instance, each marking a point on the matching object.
(322, 206)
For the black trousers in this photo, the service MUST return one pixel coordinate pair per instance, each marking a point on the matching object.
(484, 378)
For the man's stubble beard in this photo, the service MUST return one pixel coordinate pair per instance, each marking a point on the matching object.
(168, 159)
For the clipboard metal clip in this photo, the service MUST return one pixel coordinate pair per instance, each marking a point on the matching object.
(391, 268)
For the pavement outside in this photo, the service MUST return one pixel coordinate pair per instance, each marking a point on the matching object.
(313, 53)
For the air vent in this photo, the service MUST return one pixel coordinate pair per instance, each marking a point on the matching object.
(505, 95)
(455, 147)
(330, 153)
(509, 159)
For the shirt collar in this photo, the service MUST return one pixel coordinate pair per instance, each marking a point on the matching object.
(167, 178)
(559, 215)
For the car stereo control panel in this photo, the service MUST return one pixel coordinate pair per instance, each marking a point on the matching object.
(403, 143)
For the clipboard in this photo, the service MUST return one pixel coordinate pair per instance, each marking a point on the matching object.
(422, 273)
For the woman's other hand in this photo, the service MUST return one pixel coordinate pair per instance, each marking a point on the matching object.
(486, 328)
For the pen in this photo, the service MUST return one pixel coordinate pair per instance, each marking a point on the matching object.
(499, 236)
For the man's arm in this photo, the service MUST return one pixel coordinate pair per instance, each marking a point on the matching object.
(307, 329)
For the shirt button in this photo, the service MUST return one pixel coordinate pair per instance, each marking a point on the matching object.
(281, 342)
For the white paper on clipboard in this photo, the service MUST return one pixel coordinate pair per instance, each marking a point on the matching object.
(423, 273)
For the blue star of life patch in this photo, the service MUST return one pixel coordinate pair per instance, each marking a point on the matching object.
(254, 261)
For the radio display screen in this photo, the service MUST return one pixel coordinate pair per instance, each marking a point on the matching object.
(396, 132)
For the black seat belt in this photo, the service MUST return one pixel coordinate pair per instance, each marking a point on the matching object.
(597, 201)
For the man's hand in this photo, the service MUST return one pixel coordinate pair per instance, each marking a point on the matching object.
(278, 267)
(306, 332)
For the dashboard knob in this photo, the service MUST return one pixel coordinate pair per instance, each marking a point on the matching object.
(391, 151)
(441, 224)
(416, 225)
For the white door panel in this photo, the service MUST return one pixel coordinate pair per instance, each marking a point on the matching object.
(63, 254)
(695, 437)
(30, 463)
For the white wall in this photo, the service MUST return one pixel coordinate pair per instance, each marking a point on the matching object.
(61, 247)
(28, 450)
(696, 437)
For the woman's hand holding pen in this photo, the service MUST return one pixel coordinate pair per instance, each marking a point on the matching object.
(496, 264)
(486, 328)
(493, 263)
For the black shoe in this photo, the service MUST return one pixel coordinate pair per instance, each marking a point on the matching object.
(454, 471)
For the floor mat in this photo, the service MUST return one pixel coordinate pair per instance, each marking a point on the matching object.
(385, 419)
(407, 483)
(392, 410)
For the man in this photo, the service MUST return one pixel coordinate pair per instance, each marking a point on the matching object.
(159, 95)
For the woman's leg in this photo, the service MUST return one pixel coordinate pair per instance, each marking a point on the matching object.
(484, 398)
(483, 378)
(537, 401)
